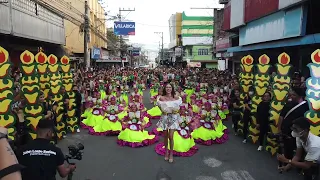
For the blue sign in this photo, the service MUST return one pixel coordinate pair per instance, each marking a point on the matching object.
(95, 53)
(124, 28)
(136, 51)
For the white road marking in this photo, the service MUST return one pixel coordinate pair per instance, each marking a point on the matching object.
(230, 175)
(205, 178)
(236, 175)
(246, 175)
(212, 162)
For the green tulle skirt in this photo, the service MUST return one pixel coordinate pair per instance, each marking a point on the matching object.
(92, 120)
(132, 136)
(189, 92)
(181, 144)
(153, 92)
(154, 112)
(209, 134)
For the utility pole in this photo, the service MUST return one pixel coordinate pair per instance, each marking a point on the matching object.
(121, 40)
(86, 35)
(162, 53)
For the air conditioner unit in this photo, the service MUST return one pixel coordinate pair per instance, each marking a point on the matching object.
(223, 1)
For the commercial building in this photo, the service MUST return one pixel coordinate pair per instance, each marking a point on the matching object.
(98, 31)
(194, 44)
(272, 27)
(175, 45)
(55, 27)
(26, 25)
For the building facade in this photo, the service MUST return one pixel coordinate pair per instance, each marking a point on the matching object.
(191, 39)
(26, 25)
(272, 27)
(98, 31)
(197, 39)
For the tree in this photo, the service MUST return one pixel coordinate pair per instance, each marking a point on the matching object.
(113, 41)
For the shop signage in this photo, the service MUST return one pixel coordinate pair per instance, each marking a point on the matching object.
(223, 44)
(124, 28)
(95, 53)
(106, 58)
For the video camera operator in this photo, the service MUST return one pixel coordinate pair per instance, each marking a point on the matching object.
(306, 142)
(294, 109)
(41, 158)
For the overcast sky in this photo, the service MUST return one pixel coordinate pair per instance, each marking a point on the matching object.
(153, 15)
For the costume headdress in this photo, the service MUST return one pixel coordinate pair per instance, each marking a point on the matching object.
(207, 104)
(112, 98)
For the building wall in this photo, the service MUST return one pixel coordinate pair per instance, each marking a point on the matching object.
(196, 30)
(179, 26)
(26, 19)
(74, 34)
(174, 29)
(192, 53)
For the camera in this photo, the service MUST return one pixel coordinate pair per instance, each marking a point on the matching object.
(75, 153)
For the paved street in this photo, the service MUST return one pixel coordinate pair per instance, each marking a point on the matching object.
(105, 160)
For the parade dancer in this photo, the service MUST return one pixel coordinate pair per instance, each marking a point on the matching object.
(184, 144)
(94, 116)
(110, 125)
(155, 112)
(169, 104)
(210, 131)
(134, 133)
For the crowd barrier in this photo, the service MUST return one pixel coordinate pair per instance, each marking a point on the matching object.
(260, 79)
(39, 73)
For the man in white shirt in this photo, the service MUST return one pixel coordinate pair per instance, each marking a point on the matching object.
(308, 143)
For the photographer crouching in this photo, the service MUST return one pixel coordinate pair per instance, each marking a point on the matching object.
(41, 158)
(308, 143)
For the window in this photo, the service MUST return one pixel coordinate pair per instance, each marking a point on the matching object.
(203, 52)
(190, 52)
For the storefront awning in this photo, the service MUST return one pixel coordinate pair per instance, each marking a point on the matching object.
(300, 41)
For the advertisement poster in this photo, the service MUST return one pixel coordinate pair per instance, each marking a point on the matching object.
(124, 28)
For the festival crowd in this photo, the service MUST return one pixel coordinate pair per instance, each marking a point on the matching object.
(190, 106)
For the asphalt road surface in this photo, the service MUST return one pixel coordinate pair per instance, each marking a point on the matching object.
(103, 159)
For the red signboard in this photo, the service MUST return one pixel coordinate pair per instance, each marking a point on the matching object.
(255, 9)
(226, 17)
(222, 44)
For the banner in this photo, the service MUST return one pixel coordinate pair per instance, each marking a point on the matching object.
(124, 28)
(194, 64)
(95, 53)
(136, 51)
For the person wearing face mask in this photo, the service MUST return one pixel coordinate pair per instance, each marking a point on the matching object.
(294, 109)
(247, 114)
(308, 143)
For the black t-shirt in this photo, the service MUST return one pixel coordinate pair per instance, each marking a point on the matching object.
(46, 108)
(297, 113)
(65, 106)
(248, 101)
(237, 101)
(41, 159)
